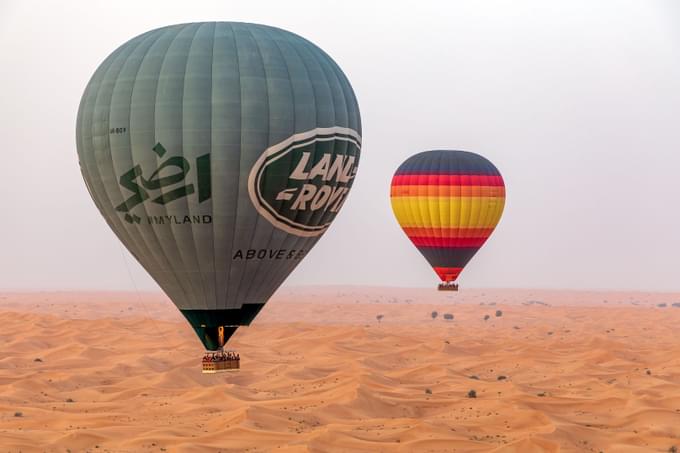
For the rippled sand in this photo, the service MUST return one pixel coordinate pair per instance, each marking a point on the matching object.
(558, 371)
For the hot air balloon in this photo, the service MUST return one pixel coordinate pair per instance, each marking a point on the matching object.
(218, 153)
(448, 204)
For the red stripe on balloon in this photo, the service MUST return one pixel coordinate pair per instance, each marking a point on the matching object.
(448, 274)
(449, 243)
(414, 232)
(451, 180)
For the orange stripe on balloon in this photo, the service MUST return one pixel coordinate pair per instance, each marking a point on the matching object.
(405, 190)
(448, 180)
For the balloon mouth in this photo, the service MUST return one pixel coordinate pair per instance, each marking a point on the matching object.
(214, 338)
(215, 327)
(448, 274)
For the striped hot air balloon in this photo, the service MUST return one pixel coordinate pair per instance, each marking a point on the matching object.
(448, 204)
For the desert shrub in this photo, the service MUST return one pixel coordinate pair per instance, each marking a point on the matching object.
(448, 316)
(434, 314)
(472, 394)
(499, 313)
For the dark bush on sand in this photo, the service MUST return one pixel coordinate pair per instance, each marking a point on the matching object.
(499, 313)
(448, 316)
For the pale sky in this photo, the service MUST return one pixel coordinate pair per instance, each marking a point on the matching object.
(576, 102)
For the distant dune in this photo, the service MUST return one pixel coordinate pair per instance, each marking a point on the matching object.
(322, 371)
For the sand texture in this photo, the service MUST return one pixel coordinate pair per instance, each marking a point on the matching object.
(557, 371)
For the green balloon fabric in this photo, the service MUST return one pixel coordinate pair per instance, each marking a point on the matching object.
(219, 153)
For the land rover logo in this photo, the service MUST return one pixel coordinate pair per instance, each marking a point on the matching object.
(300, 184)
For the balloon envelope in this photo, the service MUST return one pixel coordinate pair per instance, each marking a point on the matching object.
(448, 204)
(218, 153)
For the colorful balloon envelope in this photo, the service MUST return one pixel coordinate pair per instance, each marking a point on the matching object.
(219, 153)
(448, 203)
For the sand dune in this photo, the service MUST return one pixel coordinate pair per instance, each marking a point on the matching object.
(558, 371)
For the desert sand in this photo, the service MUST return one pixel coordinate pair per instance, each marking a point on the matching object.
(557, 371)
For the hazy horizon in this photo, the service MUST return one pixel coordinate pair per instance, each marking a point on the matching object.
(576, 103)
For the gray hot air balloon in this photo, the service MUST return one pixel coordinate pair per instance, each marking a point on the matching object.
(219, 153)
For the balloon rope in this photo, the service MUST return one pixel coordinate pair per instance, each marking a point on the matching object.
(140, 300)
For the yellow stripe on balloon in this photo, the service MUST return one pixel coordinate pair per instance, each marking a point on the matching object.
(448, 212)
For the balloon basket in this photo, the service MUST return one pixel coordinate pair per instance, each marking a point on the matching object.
(221, 362)
(449, 286)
